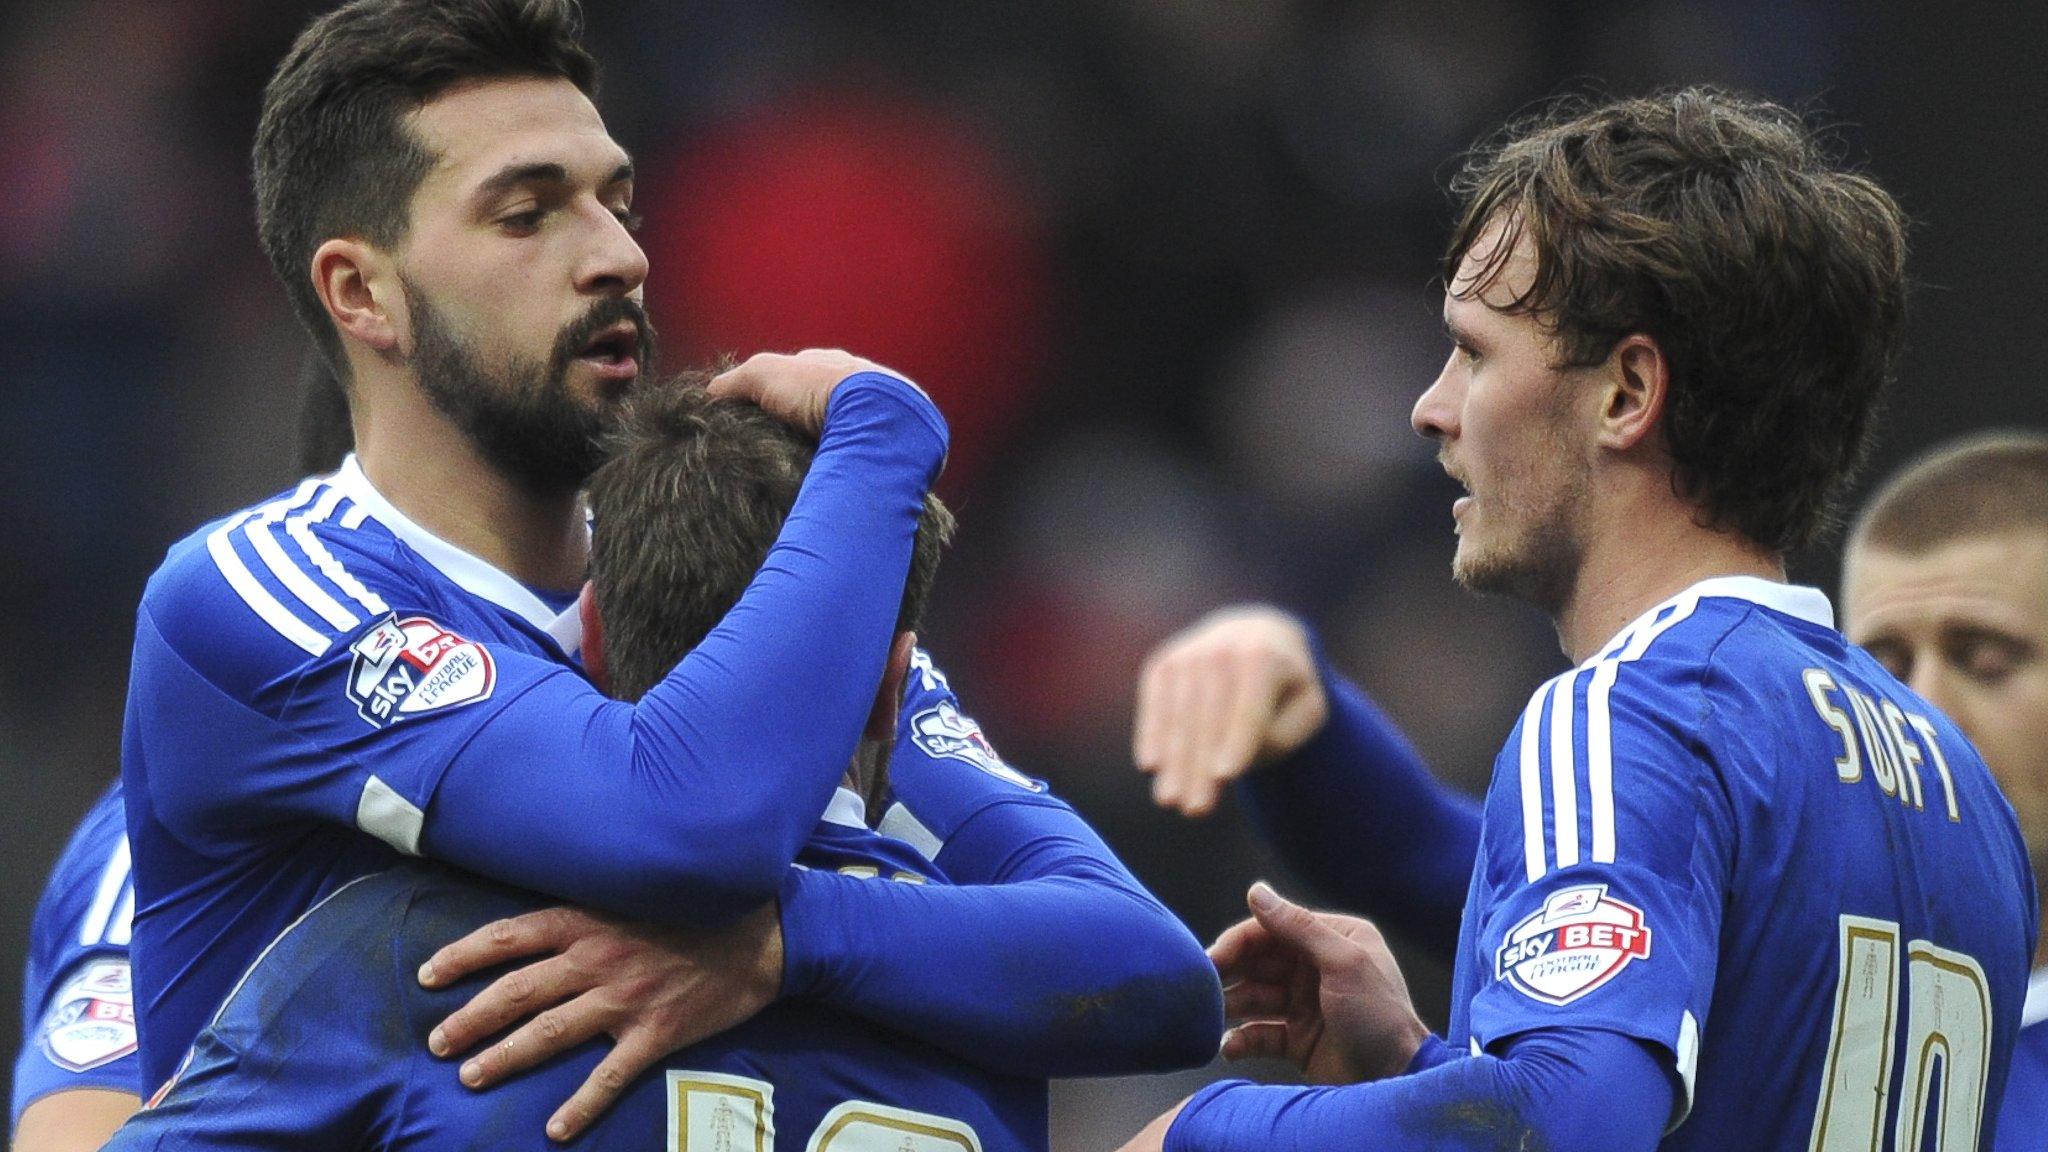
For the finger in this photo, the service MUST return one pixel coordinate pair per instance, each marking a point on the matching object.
(1261, 1040)
(1167, 719)
(1211, 699)
(745, 379)
(1256, 1000)
(494, 944)
(1234, 947)
(510, 998)
(1244, 718)
(1260, 958)
(1293, 923)
(545, 1036)
(1148, 722)
(1183, 700)
(601, 1089)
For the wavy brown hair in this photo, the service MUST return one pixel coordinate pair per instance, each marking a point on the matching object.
(686, 509)
(1773, 279)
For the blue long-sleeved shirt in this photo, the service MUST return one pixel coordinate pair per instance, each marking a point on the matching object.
(1585, 1090)
(319, 685)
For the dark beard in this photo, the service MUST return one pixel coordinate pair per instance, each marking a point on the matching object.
(523, 420)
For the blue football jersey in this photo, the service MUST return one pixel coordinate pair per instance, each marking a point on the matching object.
(323, 1044)
(2023, 1119)
(321, 686)
(77, 1007)
(1734, 836)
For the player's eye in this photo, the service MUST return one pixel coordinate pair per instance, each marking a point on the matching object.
(522, 223)
(1987, 659)
(1896, 658)
(628, 218)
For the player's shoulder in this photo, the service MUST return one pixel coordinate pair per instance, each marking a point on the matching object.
(362, 937)
(280, 581)
(1707, 648)
(944, 769)
(88, 899)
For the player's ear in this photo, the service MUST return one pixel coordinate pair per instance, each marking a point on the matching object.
(889, 698)
(358, 285)
(1638, 380)
(592, 648)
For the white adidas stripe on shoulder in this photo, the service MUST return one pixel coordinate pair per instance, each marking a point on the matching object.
(313, 502)
(1557, 699)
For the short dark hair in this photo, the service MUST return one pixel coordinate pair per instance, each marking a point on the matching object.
(686, 508)
(1982, 485)
(334, 155)
(1773, 279)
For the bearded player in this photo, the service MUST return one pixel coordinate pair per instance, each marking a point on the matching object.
(381, 663)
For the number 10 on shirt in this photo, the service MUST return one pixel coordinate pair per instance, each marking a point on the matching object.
(716, 1112)
(1947, 1051)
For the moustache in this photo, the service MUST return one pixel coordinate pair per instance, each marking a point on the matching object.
(602, 315)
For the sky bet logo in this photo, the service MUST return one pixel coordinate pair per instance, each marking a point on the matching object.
(403, 668)
(1579, 940)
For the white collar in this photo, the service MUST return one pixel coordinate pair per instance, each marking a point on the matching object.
(469, 572)
(847, 809)
(1794, 600)
(2036, 1008)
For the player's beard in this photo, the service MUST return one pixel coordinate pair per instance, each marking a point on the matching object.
(1533, 550)
(522, 418)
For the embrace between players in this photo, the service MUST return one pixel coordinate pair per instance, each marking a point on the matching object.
(806, 902)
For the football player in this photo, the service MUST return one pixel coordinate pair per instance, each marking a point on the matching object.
(324, 1041)
(380, 663)
(1671, 318)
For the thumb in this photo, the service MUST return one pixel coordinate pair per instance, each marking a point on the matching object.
(1287, 920)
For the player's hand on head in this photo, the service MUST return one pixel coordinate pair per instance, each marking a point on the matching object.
(653, 988)
(1235, 690)
(1317, 989)
(794, 387)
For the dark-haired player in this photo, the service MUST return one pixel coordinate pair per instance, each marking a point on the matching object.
(379, 663)
(1736, 885)
(685, 512)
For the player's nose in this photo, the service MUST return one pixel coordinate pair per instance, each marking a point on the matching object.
(615, 265)
(1436, 410)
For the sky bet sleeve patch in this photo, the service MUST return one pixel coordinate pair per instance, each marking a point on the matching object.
(91, 1020)
(405, 668)
(1580, 939)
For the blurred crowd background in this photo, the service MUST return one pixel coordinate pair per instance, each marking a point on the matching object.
(1169, 265)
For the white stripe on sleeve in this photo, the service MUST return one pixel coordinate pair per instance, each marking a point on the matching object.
(1564, 784)
(1532, 788)
(255, 595)
(299, 528)
(261, 531)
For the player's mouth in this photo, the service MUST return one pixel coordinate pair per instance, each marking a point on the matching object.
(614, 353)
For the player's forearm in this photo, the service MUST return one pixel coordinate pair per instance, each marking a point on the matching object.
(1358, 813)
(692, 803)
(1070, 975)
(1589, 1091)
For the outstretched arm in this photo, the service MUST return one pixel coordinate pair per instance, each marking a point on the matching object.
(1247, 694)
(1322, 991)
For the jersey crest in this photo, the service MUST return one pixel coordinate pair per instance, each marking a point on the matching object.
(91, 1020)
(1580, 939)
(404, 668)
(943, 732)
